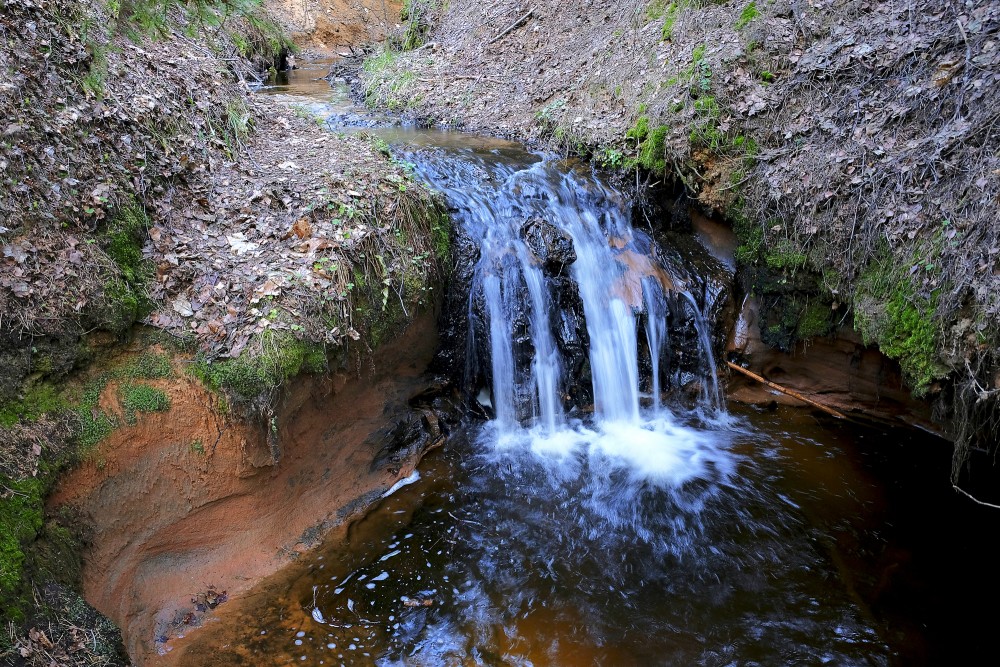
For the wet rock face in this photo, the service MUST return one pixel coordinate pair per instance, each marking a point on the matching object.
(466, 351)
(551, 246)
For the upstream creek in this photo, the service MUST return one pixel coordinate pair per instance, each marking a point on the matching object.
(589, 521)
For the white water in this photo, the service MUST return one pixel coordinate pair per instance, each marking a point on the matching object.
(516, 297)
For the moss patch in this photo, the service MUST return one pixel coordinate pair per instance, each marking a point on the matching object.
(97, 424)
(815, 321)
(36, 401)
(21, 517)
(650, 144)
(890, 311)
(264, 366)
(141, 397)
(125, 297)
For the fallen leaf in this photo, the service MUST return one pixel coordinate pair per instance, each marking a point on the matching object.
(183, 307)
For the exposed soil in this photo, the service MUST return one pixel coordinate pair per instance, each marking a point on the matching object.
(190, 507)
(336, 26)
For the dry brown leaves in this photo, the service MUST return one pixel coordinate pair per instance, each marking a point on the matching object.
(24, 445)
(73, 153)
(276, 241)
(63, 646)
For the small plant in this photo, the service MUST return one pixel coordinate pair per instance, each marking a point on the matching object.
(655, 10)
(749, 13)
(672, 11)
(140, 397)
(547, 115)
(611, 158)
(198, 447)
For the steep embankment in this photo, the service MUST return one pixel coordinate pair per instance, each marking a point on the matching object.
(851, 145)
(335, 26)
(149, 196)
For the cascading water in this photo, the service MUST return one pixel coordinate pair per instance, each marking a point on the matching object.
(544, 232)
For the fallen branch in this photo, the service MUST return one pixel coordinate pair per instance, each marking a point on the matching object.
(512, 27)
(973, 498)
(786, 390)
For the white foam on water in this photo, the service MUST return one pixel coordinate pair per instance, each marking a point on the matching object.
(657, 449)
(406, 481)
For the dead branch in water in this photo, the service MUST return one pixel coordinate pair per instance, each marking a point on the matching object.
(786, 390)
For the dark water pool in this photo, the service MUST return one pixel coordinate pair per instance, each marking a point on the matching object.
(797, 541)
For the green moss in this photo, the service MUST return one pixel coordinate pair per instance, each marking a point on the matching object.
(667, 32)
(815, 321)
(706, 132)
(148, 366)
(263, 367)
(890, 312)
(95, 423)
(140, 397)
(125, 294)
(785, 255)
(640, 130)
(749, 235)
(651, 145)
(55, 555)
(37, 401)
(414, 14)
(749, 13)
(441, 236)
(21, 515)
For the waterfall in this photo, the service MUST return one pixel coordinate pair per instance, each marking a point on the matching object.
(711, 396)
(556, 246)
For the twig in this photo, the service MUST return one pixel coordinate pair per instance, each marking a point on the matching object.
(785, 390)
(973, 498)
(512, 26)
(10, 490)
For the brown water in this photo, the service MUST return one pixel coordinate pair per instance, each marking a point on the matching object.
(830, 543)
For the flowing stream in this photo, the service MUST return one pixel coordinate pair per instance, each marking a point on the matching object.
(607, 527)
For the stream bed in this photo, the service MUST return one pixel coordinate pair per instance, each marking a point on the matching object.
(632, 532)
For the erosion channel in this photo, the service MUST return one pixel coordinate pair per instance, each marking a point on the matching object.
(599, 502)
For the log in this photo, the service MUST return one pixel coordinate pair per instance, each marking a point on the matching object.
(785, 390)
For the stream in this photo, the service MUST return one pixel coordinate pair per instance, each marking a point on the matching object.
(590, 521)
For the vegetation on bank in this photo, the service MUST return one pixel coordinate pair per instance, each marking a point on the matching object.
(49, 428)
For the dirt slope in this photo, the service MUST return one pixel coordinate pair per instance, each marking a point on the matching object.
(143, 181)
(333, 26)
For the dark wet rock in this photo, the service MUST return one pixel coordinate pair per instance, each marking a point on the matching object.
(402, 441)
(551, 246)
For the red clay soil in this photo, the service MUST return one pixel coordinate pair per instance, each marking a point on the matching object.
(190, 504)
(840, 372)
(334, 26)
